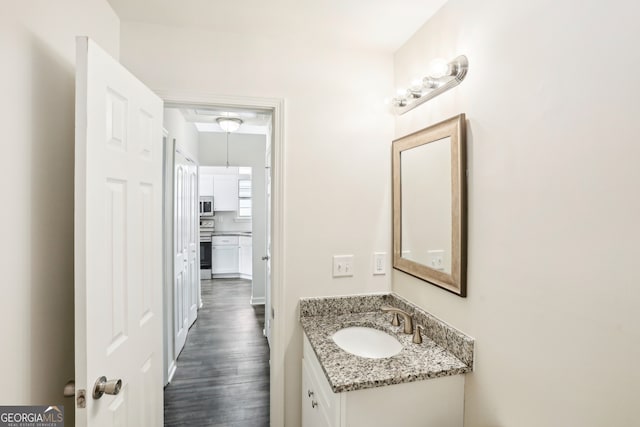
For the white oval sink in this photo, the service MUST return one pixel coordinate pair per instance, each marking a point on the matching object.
(367, 342)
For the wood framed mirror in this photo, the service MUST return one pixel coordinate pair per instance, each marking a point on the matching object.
(429, 204)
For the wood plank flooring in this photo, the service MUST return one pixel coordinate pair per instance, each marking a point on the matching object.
(223, 371)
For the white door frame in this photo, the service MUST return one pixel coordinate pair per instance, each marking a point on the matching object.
(276, 105)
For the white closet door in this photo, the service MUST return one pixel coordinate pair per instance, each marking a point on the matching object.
(194, 244)
(181, 263)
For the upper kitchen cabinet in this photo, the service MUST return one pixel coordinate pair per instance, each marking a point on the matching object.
(206, 185)
(225, 192)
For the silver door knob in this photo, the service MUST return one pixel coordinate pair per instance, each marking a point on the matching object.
(103, 386)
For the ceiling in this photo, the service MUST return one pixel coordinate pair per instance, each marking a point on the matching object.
(253, 121)
(370, 24)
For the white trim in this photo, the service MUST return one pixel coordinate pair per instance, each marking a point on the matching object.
(169, 357)
(278, 279)
(257, 301)
(172, 370)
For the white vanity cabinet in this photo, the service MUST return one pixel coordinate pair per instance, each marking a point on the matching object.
(436, 402)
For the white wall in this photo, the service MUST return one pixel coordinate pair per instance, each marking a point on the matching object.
(244, 150)
(37, 41)
(186, 137)
(337, 136)
(185, 133)
(553, 153)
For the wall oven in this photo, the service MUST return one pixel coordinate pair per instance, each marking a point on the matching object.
(206, 206)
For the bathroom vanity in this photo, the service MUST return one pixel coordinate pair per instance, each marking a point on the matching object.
(421, 385)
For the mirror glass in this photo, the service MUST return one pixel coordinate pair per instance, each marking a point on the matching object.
(429, 205)
(426, 220)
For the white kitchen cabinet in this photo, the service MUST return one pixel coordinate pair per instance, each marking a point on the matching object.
(246, 257)
(225, 192)
(225, 256)
(436, 402)
(206, 185)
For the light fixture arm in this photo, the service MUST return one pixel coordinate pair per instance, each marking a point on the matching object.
(457, 69)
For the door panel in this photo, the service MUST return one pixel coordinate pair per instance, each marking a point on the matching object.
(194, 244)
(187, 238)
(267, 264)
(181, 254)
(118, 241)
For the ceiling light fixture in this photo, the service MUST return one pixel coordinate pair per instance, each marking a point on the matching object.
(442, 77)
(229, 124)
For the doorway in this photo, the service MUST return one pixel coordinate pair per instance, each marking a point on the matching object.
(271, 230)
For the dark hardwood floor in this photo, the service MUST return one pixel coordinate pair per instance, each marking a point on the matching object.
(223, 371)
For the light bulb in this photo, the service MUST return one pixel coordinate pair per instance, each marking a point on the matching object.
(430, 83)
(438, 68)
(415, 90)
(229, 124)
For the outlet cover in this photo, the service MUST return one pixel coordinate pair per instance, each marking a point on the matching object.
(435, 259)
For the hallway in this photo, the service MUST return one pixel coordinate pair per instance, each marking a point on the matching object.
(223, 372)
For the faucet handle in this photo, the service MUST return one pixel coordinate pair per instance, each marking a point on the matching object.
(417, 337)
(395, 320)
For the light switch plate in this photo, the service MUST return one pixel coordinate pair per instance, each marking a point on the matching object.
(342, 265)
(379, 263)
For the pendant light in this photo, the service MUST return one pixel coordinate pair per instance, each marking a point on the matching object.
(229, 124)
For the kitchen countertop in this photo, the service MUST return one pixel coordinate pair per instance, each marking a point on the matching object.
(232, 233)
(322, 317)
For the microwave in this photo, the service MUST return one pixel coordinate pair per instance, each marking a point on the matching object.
(206, 206)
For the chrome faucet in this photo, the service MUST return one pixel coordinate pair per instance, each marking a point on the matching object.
(408, 322)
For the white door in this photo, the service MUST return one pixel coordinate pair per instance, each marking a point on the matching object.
(118, 243)
(181, 251)
(267, 264)
(193, 244)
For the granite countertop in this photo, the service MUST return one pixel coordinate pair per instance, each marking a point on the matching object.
(321, 318)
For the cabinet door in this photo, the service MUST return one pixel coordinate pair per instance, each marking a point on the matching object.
(225, 192)
(224, 259)
(246, 259)
(322, 404)
(206, 185)
(311, 416)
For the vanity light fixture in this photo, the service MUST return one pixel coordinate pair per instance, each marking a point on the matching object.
(229, 124)
(442, 77)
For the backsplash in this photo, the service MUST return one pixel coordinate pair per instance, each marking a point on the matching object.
(226, 221)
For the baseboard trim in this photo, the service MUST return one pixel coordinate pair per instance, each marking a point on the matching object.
(257, 301)
(172, 371)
